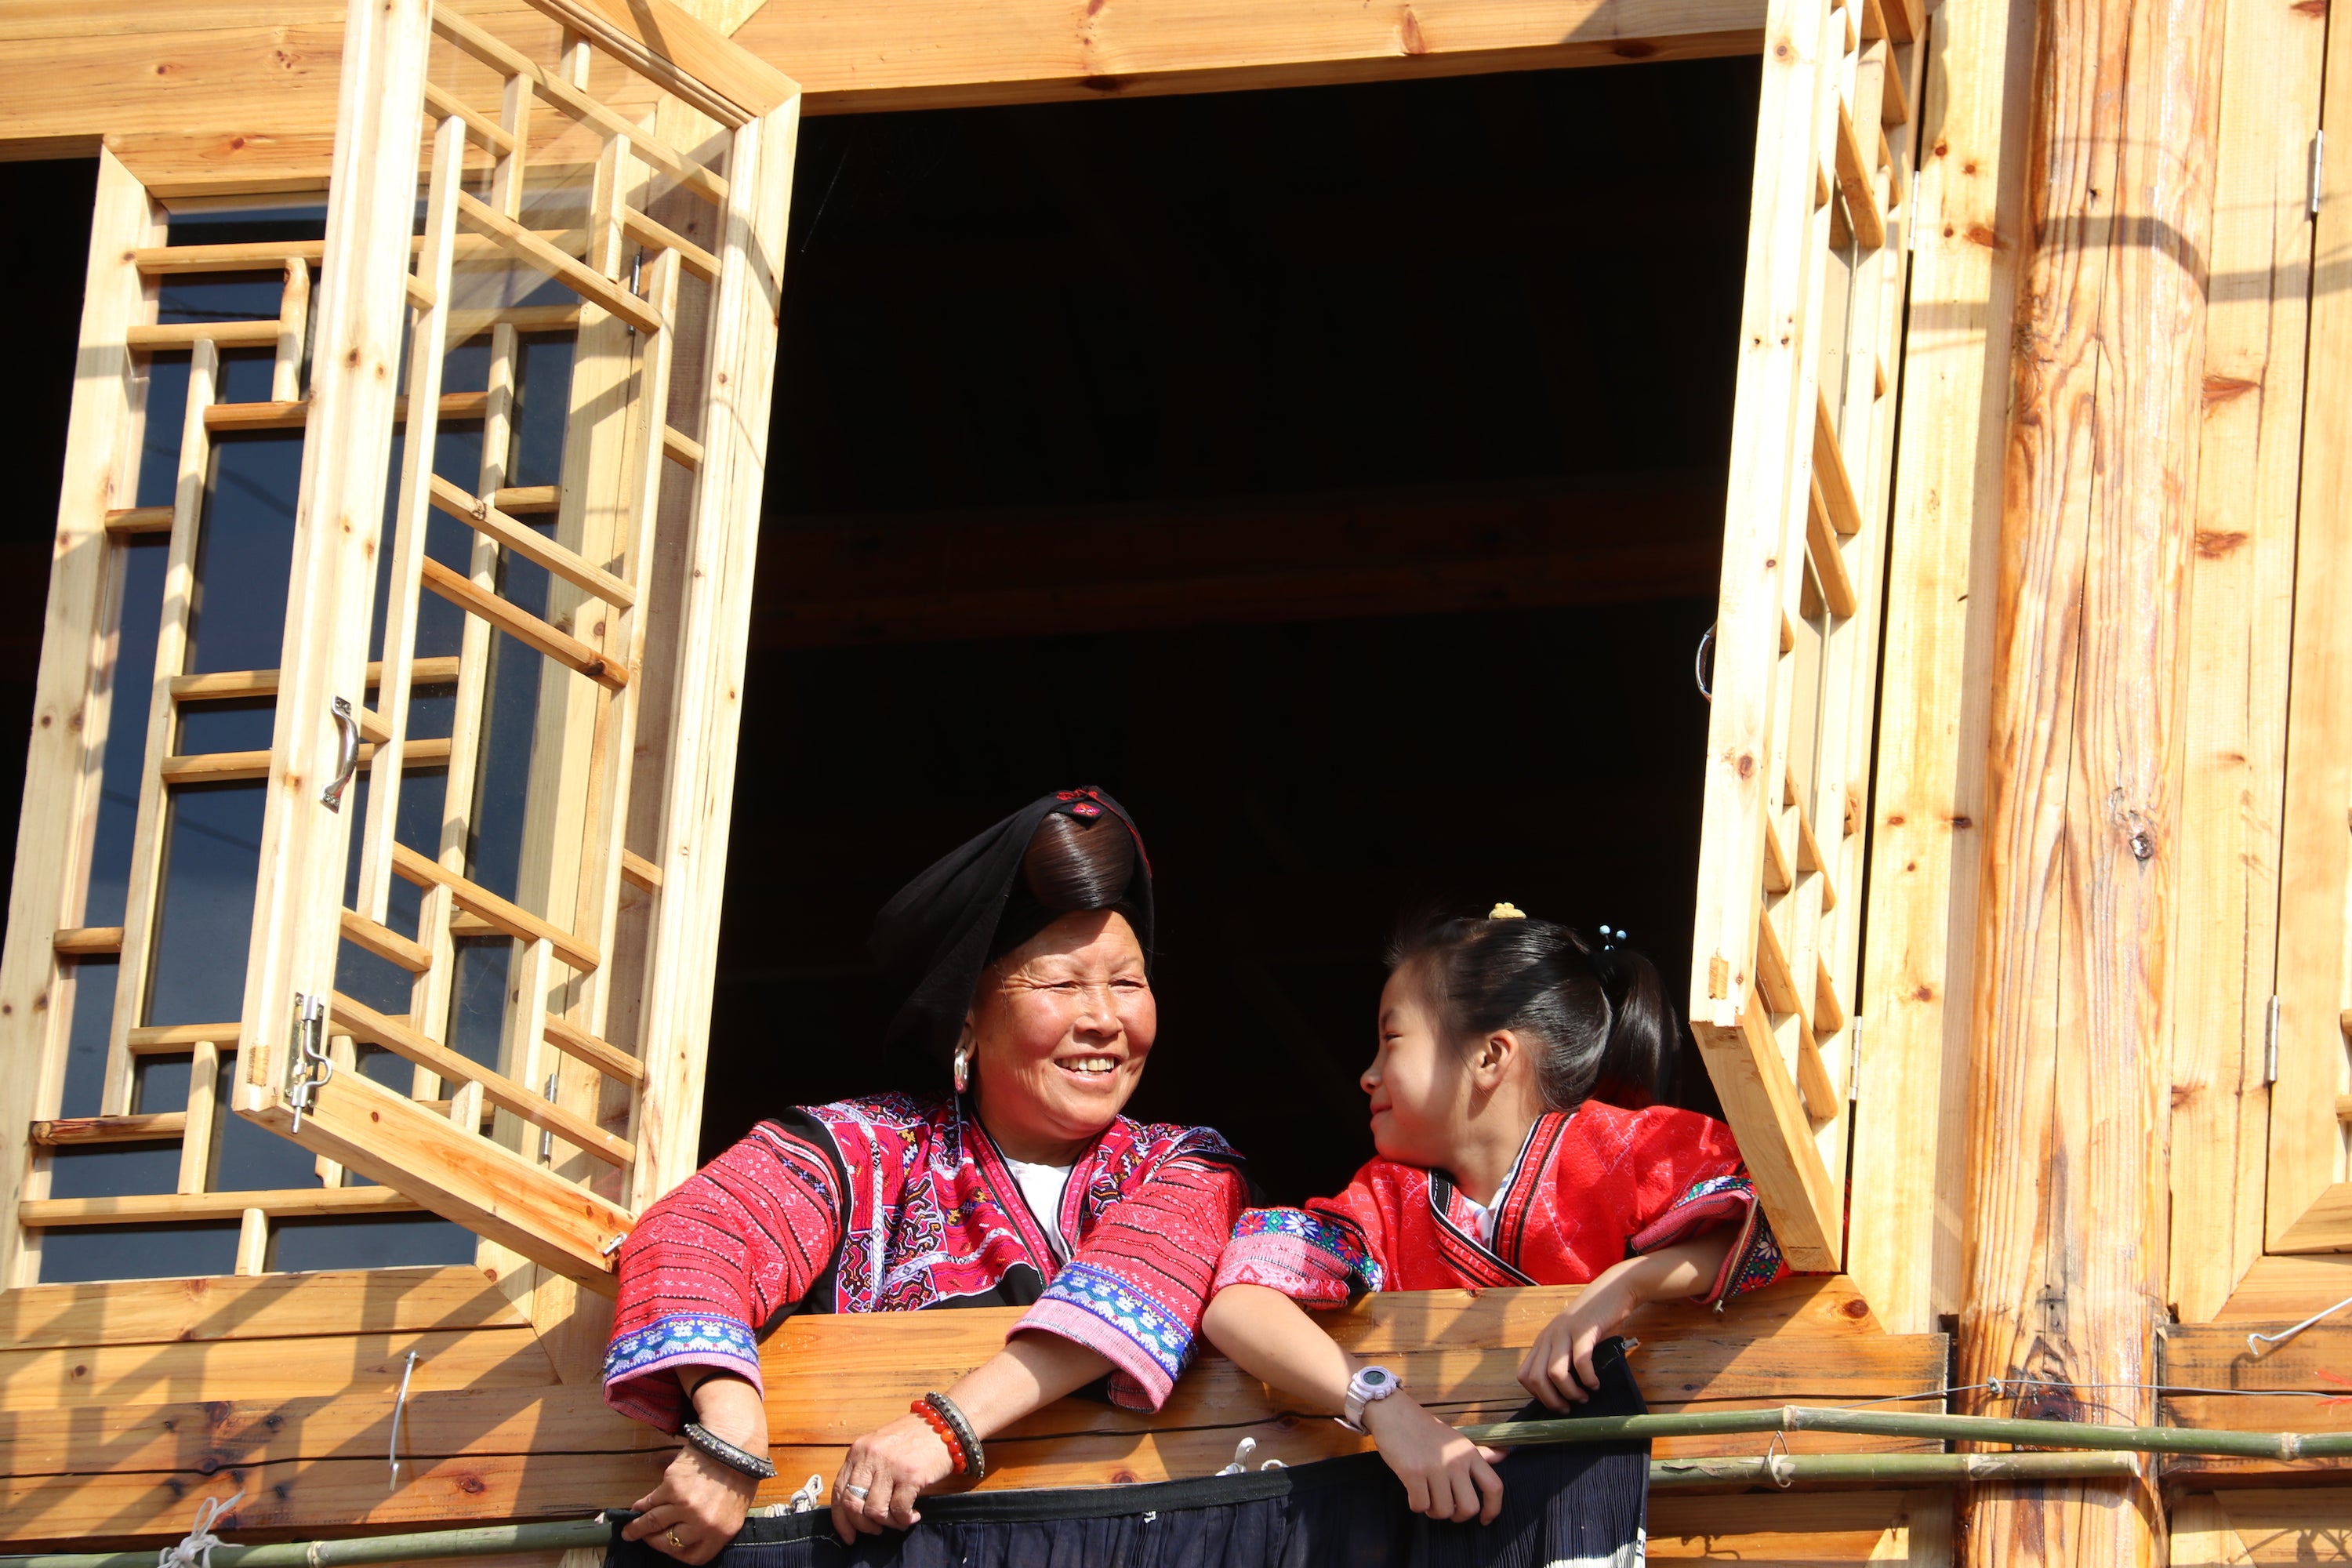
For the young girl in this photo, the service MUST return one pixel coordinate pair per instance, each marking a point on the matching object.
(1512, 1109)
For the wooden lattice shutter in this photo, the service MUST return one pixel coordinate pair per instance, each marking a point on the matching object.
(551, 1144)
(1795, 644)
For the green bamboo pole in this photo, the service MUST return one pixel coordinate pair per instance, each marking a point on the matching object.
(1897, 1470)
(1908, 1423)
(482, 1541)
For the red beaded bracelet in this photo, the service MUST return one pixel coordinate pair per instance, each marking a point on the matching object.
(938, 1424)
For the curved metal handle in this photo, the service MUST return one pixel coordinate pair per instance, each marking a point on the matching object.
(1702, 666)
(347, 755)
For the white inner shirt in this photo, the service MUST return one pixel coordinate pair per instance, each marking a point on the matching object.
(1042, 1186)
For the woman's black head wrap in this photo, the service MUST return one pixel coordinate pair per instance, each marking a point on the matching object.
(973, 905)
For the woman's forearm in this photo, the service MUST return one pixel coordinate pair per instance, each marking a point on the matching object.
(1270, 1336)
(728, 1406)
(1027, 1375)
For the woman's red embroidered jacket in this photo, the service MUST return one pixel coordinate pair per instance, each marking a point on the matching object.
(1592, 1187)
(897, 1205)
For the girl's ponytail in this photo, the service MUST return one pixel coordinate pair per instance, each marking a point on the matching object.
(1643, 1029)
(1595, 1013)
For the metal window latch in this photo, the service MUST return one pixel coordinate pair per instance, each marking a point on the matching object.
(2318, 153)
(1854, 1062)
(547, 1139)
(347, 755)
(307, 1065)
(2271, 1043)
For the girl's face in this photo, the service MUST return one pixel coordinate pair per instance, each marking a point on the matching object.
(1419, 1082)
(1060, 1031)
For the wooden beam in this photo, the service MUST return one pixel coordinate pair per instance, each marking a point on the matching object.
(87, 942)
(509, 917)
(532, 251)
(249, 102)
(160, 1124)
(365, 1024)
(193, 1208)
(522, 625)
(2065, 1280)
(486, 519)
(220, 335)
(1855, 167)
(667, 45)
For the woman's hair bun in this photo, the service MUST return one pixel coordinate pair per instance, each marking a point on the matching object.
(1073, 865)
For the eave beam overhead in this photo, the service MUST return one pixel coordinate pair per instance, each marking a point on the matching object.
(185, 129)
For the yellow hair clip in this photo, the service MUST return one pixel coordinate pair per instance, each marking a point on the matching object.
(1506, 912)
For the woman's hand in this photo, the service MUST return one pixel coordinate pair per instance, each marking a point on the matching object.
(696, 1510)
(894, 1465)
(1445, 1474)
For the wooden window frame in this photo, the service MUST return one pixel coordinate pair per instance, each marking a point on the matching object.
(706, 95)
(1777, 936)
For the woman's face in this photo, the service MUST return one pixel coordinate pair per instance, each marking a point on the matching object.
(1059, 1032)
(1420, 1084)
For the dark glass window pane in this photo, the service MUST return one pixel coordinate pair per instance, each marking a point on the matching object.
(159, 1084)
(212, 856)
(114, 1169)
(223, 225)
(467, 367)
(502, 783)
(72, 1255)
(143, 560)
(159, 447)
(221, 297)
(477, 1007)
(248, 1157)
(247, 375)
(542, 403)
(86, 1031)
(418, 825)
(433, 712)
(226, 727)
(383, 1241)
(245, 551)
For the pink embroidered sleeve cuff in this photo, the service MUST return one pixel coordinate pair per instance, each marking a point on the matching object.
(1146, 1345)
(641, 1368)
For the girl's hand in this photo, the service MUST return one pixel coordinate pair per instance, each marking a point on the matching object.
(1558, 1368)
(895, 1464)
(1445, 1474)
(696, 1510)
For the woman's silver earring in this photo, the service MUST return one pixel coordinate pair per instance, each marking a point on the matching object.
(962, 1069)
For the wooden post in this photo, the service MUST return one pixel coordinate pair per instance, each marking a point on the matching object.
(2067, 1171)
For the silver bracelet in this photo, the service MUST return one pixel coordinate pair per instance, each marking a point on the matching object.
(741, 1460)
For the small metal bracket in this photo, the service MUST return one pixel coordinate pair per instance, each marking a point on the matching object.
(2318, 155)
(1854, 1061)
(399, 1408)
(2271, 1042)
(307, 1065)
(547, 1139)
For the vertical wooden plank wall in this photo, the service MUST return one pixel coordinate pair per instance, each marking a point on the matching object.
(2069, 1075)
(1910, 1099)
(2239, 627)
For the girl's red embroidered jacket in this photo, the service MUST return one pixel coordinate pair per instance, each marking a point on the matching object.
(896, 1204)
(1592, 1187)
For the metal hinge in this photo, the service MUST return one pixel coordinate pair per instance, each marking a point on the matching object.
(2270, 1042)
(2319, 152)
(1854, 1062)
(307, 1065)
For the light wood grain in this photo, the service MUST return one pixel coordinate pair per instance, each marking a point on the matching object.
(2239, 611)
(2306, 1158)
(276, 1305)
(86, 1376)
(2076, 932)
(194, 1208)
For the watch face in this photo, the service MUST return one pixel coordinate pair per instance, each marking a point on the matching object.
(1376, 1377)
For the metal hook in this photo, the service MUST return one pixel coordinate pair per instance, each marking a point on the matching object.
(2254, 1342)
(399, 1406)
(1781, 1465)
(1702, 666)
(307, 1065)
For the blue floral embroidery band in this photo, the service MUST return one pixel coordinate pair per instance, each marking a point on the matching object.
(1105, 1296)
(667, 1339)
(1343, 1243)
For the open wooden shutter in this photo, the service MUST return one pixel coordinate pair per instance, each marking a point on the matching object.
(1795, 644)
(587, 635)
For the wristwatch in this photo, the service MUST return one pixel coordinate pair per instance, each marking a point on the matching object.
(1369, 1387)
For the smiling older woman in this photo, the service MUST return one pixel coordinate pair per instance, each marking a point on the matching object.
(1022, 957)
